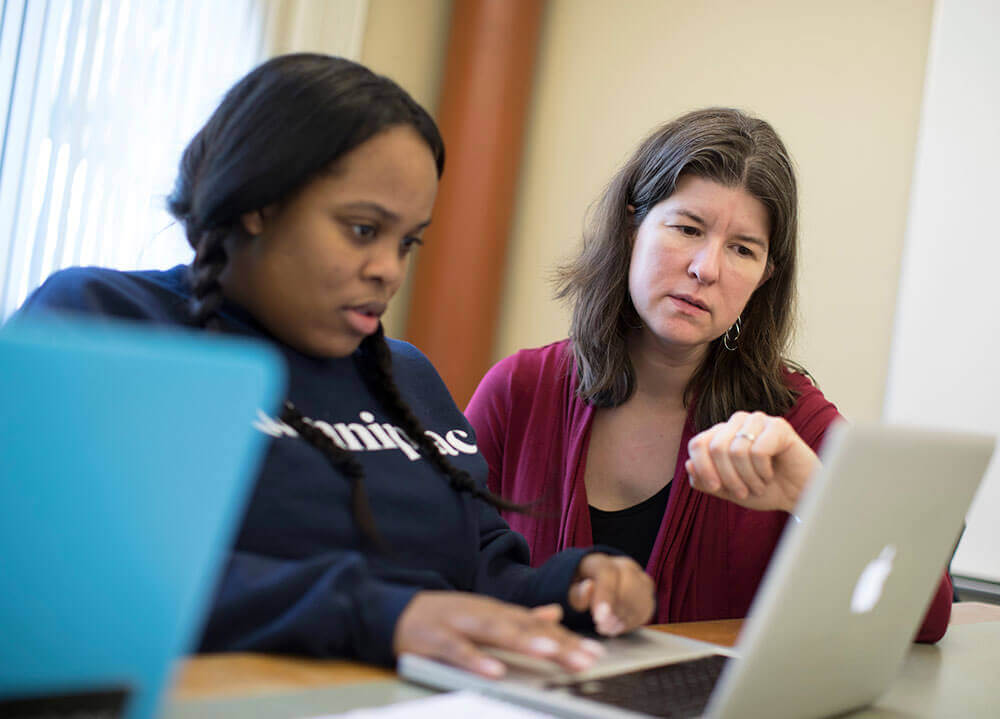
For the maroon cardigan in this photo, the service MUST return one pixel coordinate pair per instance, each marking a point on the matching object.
(709, 555)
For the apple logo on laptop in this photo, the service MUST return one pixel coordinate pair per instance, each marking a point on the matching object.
(868, 590)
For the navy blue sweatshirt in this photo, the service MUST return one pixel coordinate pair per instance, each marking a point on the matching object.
(299, 578)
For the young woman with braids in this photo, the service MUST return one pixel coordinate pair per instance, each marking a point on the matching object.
(370, 531)
(670, 424)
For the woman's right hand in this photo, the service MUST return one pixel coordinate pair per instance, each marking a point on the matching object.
(454, 627)
(753, 459)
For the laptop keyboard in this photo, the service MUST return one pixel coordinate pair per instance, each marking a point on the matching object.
(671, 690)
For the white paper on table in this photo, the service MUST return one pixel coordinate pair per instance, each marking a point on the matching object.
(452, 704)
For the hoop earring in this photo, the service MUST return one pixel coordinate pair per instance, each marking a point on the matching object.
(729, 342)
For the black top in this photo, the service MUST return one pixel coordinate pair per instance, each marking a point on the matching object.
(633, 529)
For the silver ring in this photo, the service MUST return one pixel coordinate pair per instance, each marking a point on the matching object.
(746, 435)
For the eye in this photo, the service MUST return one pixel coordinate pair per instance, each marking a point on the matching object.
(687, 230)
(745, 251)
(363, 231)
(410, 243)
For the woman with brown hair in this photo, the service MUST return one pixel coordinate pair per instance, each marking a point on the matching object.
(671, 424)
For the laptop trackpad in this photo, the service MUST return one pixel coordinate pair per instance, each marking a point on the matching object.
(640, 649)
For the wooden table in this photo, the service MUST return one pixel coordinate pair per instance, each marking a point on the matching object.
(953, 678)
(244, 675)
(220, 675)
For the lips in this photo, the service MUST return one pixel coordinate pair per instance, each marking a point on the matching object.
(690, 301)
(375, 309)
(364, 318)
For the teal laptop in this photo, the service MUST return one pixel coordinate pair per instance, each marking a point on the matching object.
(126, 458)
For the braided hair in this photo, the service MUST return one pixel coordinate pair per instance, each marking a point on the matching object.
(375, 364)
(282, 125)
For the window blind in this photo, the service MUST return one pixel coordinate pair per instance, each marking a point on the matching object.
(97, 101)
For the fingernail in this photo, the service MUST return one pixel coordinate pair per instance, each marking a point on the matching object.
(611, 626)
(543, 645)
(580, 660)
(491, 667)
(592, 647)
(601, 612)
(607, 629)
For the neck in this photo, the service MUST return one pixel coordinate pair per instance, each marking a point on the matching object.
(662, 371)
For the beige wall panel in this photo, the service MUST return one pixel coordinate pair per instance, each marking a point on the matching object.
(407, 41)
(840, 81)
(330, 26)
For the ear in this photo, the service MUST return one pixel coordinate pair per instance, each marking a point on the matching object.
(768, 271)
(253, 222)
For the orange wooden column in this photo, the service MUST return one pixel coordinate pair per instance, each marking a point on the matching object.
(459, 273)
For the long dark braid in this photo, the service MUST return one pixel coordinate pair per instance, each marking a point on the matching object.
(207, 242)
(347, 464)
(206, 290)
(375, 363)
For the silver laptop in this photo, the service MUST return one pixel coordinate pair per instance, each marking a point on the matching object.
(842, 599)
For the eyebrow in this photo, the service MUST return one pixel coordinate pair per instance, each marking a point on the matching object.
(745, 238)
(383, 214)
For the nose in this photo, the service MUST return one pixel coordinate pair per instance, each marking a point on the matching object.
(704, 265)
(385, 264)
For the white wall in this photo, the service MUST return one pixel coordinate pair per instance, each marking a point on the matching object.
(945, 362)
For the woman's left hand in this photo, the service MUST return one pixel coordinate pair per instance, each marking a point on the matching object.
(755, 460)
(617, 592)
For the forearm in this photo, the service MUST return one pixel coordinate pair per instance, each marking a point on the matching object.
(323, 606)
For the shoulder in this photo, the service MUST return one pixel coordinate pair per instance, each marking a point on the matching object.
(812, 413)
(529, 371)
(75, 287)
(805, 389)
(413, 372)
(150, 294)
(421, 386)
(551, 361)
(536, 377)
(407, 357)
